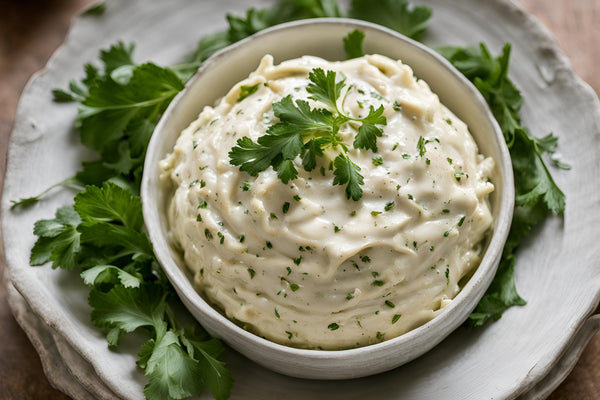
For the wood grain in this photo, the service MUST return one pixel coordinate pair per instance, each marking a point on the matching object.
(30, 30)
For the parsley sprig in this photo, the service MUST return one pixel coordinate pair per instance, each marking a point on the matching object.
(307, 132)
(102, 235)
(537, 195)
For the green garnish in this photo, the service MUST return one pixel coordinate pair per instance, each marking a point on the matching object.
(353, 44)
(306, 132)
(377, 160)
(537, 195)
(246, 91)
(333, 326)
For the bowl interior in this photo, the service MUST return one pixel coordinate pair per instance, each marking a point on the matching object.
(323, 38)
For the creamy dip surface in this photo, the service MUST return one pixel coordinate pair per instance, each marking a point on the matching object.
(299, 263)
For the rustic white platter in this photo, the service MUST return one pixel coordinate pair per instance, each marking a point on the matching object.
(524, 355)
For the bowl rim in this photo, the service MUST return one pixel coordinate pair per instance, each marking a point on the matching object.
(184, 287)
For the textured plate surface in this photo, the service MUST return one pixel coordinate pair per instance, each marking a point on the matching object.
(558, 272)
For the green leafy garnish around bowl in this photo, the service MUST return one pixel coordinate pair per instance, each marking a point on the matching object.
(101, 236)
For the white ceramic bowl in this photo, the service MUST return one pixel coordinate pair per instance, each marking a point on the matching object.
(323, 38)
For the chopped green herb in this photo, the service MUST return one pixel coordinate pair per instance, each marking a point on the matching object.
(377, 160)
(277, 313)
(246, 186)
(395, 318)
(246, 91)
(421, 146)
(297, 260)
(285, 208)
(207, 233)
(294, 287)
(377, 283)
(269, 244)
(390, 304)
(375, 213)
(461, 220)
(389, 206)
(251, 272)
(333, 326)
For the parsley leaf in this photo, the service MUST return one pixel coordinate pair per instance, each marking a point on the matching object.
(107, 274)
(128, 309)
(395, 14)
(172, 373)
(346, 172)
(59, 241)
(109, 108)
(326, 87)
(353, 44)
(368, 132)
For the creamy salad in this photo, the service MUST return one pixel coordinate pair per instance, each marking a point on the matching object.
(300, 263)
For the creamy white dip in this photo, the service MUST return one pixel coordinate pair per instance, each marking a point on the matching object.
(299, 263)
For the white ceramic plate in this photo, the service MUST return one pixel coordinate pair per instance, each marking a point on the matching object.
(558, 272)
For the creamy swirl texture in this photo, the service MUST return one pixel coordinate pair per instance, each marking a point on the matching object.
(299, 263)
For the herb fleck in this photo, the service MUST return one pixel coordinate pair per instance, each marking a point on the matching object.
(333, 326)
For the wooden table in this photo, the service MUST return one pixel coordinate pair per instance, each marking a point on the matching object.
(30, 30)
